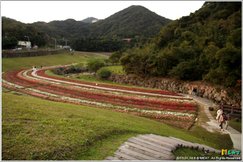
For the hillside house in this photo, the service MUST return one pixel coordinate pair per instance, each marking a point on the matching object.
(24, 44)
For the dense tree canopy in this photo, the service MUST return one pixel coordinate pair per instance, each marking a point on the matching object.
(14, 31)
(205, 45)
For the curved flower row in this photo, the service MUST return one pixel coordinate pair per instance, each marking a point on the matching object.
(148, 103)
(157, 104)
(36, 92)
(161, 92)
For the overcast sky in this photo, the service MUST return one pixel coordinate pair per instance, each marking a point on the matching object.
(32, 11)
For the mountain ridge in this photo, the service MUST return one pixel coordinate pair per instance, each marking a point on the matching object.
(109, 27)
(135, 22)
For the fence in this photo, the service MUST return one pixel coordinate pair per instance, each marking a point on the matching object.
(234, 111)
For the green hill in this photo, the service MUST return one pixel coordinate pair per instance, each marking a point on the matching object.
(13, 30)
(203, 46)
(134, 21)
(130, 22)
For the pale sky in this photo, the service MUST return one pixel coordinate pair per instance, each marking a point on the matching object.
(33, 11)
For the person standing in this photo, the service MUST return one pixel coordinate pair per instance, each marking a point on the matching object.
(219, 112)
(221, 122)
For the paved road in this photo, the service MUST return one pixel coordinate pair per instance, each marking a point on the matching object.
(213, 125)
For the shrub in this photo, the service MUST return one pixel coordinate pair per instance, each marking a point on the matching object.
(69, 70)
(103, 73)
(211, 108)
(95, 64)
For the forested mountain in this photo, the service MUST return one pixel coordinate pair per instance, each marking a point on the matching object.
(135, 22)
(203, 46)
(13, 30)
(130, 22)
(69, 28)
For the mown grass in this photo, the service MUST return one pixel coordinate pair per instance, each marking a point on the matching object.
(33, 128)
(58, 59)
(236, 124)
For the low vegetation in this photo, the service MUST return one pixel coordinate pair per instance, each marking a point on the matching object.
(39, 129)
(103, 73)
(73, 69)
(203, 46)
(115, 69)
(94, 65)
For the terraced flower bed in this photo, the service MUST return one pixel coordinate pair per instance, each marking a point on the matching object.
(42, 73)
(165, 106)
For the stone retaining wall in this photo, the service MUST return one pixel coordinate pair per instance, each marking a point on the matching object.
(217, 94)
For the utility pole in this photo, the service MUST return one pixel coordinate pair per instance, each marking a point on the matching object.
(65, 41)
(28, 42)
(27, 37)
(55, 42)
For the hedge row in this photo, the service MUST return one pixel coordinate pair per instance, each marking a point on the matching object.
(8, 54)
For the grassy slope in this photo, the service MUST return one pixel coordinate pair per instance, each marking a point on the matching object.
(59, 59)
(236, 124)
(40, 129)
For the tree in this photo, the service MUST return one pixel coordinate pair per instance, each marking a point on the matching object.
(9, 42)
(187, 71)
(103, 73)
(95, 64)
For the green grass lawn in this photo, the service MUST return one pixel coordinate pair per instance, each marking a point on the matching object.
(58, 59)
(33, 128)
(236, 124)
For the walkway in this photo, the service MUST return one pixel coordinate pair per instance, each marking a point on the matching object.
(213, 125)
(153, 147)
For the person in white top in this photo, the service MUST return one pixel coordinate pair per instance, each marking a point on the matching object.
(219, 112)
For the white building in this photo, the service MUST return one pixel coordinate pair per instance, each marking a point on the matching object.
(26, 44)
